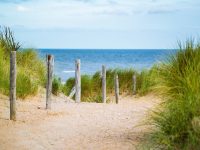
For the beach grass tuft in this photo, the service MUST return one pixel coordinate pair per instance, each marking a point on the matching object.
(56, 86)
(178, 83)
(30, 69)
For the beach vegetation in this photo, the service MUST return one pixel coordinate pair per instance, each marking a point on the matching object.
(91, 85)
(30, 69)
(178, 84)
(56, 86)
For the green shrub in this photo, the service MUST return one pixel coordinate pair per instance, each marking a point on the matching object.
(178, 82)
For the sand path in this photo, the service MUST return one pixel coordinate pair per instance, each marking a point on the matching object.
(71, 126)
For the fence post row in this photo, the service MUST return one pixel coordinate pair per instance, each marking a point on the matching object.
(134, 84)
(77, 81)
(104, 84)
(50, 64)
(13, 85)
(116, 88)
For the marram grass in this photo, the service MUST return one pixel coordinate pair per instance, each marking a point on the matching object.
(30, 74)
(91, 85)
(178, 83)
(30, 69)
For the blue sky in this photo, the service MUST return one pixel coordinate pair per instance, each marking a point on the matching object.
(101, 23)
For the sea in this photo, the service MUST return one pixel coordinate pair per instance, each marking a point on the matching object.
(93, 59)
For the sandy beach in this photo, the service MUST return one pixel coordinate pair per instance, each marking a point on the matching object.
(75, 126)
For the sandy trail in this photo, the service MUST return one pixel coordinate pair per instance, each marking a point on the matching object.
(71, 126)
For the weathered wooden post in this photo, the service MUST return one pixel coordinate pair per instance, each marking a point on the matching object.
(13, 85)
(116, 88)
(134, 84)
(104, 84)
(50, 64)
(77, 81)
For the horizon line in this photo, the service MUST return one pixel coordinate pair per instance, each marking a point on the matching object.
(103, 48)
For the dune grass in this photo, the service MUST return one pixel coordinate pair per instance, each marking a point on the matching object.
(30, 69)
(89, 91)
(178, 83)
(56, 86)
(91, 85)
(30, 74)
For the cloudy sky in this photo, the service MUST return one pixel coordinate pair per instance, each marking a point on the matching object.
(101, 23)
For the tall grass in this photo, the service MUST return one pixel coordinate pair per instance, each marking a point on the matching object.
(30, 74)
(30, 69)
(56, 86)
(146, 81)
(91, 84)
(89, 91)
(178, 82)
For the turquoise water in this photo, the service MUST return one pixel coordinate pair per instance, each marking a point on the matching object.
(92, 60)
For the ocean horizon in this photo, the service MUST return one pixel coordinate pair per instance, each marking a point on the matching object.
(93, 59)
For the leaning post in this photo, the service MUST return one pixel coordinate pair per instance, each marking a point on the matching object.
(50, 64)
(104, 84)
(13, 85)
(116, 89)
(78, 81)
(134, 84)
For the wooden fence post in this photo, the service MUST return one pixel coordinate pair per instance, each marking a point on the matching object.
(13, 85)
(116, 88)
(77, 81)
(134, 84)
(104, 84)
(50, 64)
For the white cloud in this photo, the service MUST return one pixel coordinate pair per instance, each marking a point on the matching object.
(21, 8)
(103, 20)
(94, 14)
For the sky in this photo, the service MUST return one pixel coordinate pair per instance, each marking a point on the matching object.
(101, 24)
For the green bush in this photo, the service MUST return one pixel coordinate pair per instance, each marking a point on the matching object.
(178, 82)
